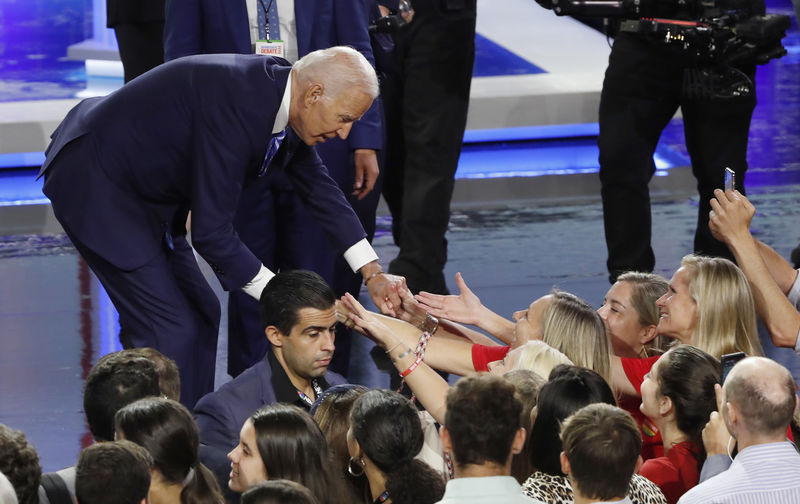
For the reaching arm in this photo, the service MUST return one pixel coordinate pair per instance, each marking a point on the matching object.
(430, 388)
(779, 268)
(416, 313)
(729, 221)
(467, 308)
(446, 351)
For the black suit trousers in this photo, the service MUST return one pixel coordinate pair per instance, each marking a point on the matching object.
(426, 113)
(641, 93)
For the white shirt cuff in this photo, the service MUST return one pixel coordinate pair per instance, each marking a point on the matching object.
(254, 287)
(359, 254)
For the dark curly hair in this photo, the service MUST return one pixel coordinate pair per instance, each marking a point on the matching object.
(482, 418)
(387, 427)
(20, 463)
(116, 380)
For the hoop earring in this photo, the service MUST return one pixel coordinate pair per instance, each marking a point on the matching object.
(359, 464)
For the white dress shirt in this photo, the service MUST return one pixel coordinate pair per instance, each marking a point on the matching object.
(768, 472)
(485, 490)
(285, 19)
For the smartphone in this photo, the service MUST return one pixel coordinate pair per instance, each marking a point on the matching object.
(730, 179)
(728, 361)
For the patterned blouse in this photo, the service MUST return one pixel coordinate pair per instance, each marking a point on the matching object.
(557, 490)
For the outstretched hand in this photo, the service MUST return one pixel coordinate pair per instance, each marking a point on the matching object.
(364, 321)
(410, 310)
(464, 308)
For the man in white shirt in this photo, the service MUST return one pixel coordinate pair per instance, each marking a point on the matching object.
(482, 432)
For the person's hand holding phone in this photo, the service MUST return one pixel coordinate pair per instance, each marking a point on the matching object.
(730, 216)
(716, 437)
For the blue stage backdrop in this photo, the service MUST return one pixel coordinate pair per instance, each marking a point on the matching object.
(34, 36)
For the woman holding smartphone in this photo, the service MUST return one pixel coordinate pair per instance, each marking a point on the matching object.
(678, 396)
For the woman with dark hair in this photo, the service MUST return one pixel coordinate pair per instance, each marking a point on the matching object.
(281, 441)
(166, 429)
(568, 389)
(331, 411)
(678, 396)
(384, 437)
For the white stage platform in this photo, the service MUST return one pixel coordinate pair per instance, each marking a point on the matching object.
(572, 55)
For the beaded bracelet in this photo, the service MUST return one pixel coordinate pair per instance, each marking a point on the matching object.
(411, 368)
(423, 344)
(420, 352)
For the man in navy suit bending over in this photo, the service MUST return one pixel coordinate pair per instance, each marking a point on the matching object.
(123, 171)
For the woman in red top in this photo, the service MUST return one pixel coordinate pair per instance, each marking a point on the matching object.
(630, 315)
(709, 305)
(678, 396)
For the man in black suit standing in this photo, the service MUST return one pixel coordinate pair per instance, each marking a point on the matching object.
(139, 27)
(426, 113)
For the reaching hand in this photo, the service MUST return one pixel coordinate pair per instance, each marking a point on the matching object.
(410, 310)
(365, 322)
(384, 291)
(465, 308)
(715, 434)
(730, 216)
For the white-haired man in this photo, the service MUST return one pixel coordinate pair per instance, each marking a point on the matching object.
(190, 135)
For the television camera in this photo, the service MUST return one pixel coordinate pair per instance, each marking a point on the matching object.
(717, 37)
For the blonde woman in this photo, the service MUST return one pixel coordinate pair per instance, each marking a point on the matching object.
(709, 305)
(631, 315)
(536, 356)
(560, 319)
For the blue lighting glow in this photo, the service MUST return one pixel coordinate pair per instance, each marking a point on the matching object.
(21, 188)
(21, 159)
(108, 321)
(544, 157)
(532, 133)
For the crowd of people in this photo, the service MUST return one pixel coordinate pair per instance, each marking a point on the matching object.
(565, 403)
(626, 403)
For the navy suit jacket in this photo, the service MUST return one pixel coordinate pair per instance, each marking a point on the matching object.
(221, 414)
(187, 135)
(221, 26)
